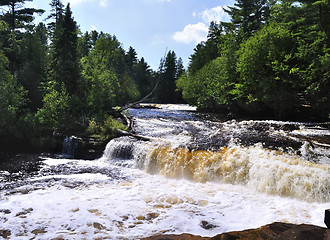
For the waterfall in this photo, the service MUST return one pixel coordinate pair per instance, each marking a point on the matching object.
(265, 156)
(70, 145)
(190, 170)
(266, 171)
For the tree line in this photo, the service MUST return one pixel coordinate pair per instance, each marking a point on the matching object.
(53, 77)
(272, 60)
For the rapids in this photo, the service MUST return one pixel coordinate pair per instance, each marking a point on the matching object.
(196, 174)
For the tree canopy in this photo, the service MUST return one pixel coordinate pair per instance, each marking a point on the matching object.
(271, 61)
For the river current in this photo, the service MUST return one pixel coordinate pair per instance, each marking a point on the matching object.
(185, 173)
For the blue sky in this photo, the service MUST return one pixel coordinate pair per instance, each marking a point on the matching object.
(149, 26)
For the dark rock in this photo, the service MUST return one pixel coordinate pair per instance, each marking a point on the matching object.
(98, 226)
(206, 225)
(274, 231)
(5, 233)
(327, 218)
(5, 211)
(278, 231)
(176, 237)
(90, 148)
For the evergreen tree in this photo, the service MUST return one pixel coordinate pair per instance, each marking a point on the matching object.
(143, 77)
(310, 32)
(94, 36)
(16, 15)
(131, 57)
(84, 45)
(12, 100)
(57, 11)
(168, 74)
(205, 52)
(65, 67)
(248, 16)
(34, 59)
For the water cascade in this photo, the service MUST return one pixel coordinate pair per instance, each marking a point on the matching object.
(263, 170)
(70, 144)
(190, 171)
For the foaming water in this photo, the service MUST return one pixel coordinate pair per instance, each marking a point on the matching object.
(141, 205)
(264, 170)
(194, 175)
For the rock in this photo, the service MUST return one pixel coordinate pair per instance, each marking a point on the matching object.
(98, 226)
(5, 211)
(5, 233)
(176, 237)
(278, 231)
(274, 231)
(206, 225)
(327, 218)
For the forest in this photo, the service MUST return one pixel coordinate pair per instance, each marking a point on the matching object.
(54, 78)
(271, 61)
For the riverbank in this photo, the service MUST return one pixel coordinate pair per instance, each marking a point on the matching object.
(274, 231)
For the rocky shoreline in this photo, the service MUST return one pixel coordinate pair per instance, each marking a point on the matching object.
(274, 231)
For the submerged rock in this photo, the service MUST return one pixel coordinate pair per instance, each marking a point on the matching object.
(274, 231)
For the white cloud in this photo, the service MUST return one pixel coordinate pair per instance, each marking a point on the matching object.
(215, 14)
(93, 28)
(192, 33)
(157, 41)
(198, 32)
(103, 3)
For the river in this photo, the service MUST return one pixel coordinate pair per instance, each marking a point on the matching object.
(190, 173)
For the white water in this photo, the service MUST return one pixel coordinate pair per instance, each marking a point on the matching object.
(138, 189)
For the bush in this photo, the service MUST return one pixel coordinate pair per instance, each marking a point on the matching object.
(106, 130)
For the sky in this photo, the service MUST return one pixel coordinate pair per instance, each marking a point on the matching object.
(151, 27)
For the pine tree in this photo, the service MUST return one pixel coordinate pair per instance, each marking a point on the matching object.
(168, 74)
(34, 57)
(65, 58)
(249, 16)
(84, 45)
(131, 57)
(205, 52)
(57, 11)
(143, 77)
(16, 15)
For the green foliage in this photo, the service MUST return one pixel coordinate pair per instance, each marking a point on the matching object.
(273, 62)
(16, 15)
(205, 52)
(61, 82)
(169, 71)
(101, 89)
(12, 99)
(264, 65)
(104, 84)
(55, 111)
(210, 87)
(105, 130)
(65, 65)
(248, 16)
(143, 78)
(34, 59)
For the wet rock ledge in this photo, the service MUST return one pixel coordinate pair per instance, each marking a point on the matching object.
(277, 230)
